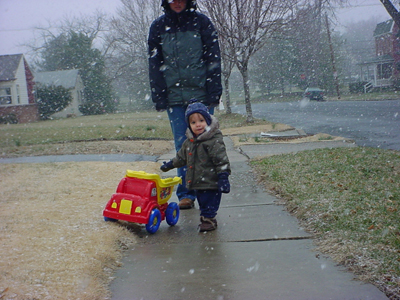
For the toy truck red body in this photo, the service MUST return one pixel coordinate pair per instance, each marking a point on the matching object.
(143, 198)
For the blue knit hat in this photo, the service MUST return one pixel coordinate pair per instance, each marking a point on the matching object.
(197, 107)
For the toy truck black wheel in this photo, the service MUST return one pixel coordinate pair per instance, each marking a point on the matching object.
(154, 221)
(110, 219)
(172, 214)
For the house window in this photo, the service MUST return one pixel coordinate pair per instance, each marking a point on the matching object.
(385, 71)
(5, 96)
(18, 97)
(81, 96)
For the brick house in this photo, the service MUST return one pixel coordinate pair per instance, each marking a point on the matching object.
(17, 98)
(384, 69)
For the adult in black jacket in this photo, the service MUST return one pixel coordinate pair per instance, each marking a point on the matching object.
(184, 64)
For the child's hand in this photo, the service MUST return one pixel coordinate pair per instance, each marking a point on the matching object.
(223, 183)
(167, 166)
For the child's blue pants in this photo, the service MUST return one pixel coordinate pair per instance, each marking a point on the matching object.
(209, 201)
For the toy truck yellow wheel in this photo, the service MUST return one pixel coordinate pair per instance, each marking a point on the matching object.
(154, 221)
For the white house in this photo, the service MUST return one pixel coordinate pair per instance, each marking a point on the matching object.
(17, 99)
(69, 79)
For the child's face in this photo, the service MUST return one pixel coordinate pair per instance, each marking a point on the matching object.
(197, 123)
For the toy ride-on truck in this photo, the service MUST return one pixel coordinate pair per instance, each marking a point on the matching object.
(143, 198)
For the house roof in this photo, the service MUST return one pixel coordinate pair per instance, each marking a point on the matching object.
(8, 66)
(387, 58)
(65, 78)
(383, 27)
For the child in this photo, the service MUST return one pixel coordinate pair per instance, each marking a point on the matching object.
(208, 168)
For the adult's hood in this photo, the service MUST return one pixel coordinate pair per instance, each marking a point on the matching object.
(190, 4)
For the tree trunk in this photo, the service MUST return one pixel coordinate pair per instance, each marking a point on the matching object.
(392, 11)
(281, 77)
(245, 75)
(227, 95)
(332, 57)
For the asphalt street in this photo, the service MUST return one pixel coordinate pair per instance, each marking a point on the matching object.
(369, 123)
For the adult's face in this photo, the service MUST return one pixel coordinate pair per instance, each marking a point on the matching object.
(177, 5)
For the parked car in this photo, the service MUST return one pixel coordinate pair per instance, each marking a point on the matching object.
(313, 93)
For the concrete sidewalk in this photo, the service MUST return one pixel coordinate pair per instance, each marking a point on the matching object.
(79, 158)
(258, 251)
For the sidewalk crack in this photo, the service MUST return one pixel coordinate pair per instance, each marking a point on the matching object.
(294, 238)
(247, 205)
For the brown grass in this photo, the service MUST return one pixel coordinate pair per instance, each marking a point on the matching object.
(149, 147)
(54, 241)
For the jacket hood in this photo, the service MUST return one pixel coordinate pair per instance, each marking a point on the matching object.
(190, 4)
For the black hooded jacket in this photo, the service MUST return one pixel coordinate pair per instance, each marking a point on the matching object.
(184, 58)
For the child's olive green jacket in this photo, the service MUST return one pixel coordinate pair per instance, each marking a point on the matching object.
(205, 157)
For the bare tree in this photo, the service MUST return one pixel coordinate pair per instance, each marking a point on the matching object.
(306, 30)
(227, 66)
(244, 26)
(127, 44)
(93, 26)
(322, 8)
(227, 55)
(358, 45)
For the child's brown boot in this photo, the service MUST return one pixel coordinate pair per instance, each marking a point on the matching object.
(207, 224)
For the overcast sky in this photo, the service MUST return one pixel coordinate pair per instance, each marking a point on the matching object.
(19, 17)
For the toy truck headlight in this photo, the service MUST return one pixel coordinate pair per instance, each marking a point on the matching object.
(153, 192)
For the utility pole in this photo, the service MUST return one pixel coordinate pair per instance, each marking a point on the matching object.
(391, 9)
(335, 75)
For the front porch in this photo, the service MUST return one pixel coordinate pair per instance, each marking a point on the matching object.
(377, 73)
